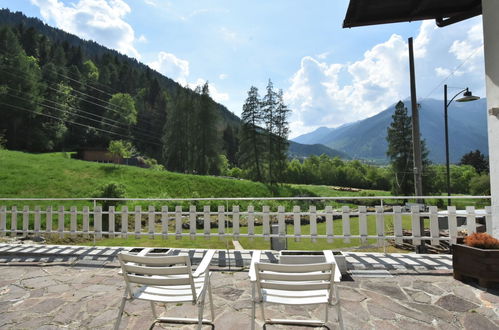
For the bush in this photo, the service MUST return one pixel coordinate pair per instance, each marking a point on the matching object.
(110, 190)
(480, 185)
(482, 241)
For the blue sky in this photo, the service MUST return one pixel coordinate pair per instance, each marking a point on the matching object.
(329, 75)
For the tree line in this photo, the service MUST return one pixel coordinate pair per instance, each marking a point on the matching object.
(54, 96)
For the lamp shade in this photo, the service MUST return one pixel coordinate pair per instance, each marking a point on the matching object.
(467, 97)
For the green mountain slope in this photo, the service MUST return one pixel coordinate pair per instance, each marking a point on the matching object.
(299, 150)
(54, 175)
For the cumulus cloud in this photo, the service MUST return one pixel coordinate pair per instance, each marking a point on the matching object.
(331, 94)
(214, 93)
(171, 66)
(98, 20)
(178, 69)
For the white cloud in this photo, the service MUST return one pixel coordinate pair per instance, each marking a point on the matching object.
(142, 39)
(171, 66)
(214, 93)
(178, 69)
(151, 3)
(98, 20)
(331, 94)
(223, 76)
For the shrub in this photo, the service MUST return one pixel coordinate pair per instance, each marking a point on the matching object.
(482, 241)
(480, 185)
(110, 190)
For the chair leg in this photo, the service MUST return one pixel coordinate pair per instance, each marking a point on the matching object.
(338, 307)
(212, 310)
(253, 309)
(200, 314)
(154, 310)
(326, 316)
(120, 313)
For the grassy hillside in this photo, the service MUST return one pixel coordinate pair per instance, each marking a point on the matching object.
(55, 175)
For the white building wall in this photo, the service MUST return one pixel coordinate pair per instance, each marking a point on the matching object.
(491, 47)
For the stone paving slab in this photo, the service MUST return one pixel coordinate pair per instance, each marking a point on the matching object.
(58, 295)
(52, 287)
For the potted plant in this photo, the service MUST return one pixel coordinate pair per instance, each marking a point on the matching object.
(477, 258)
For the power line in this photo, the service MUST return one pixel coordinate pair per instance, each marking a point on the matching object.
(454, 71)
(82, 116)
(75, 123)
(138, 129)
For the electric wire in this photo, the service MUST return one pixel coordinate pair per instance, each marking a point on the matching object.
(454, 71)
(75, 123)
(137, 129)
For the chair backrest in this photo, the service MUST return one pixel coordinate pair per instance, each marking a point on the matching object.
(157, 271)
(305, 277)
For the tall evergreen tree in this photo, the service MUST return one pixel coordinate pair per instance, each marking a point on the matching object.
(281, 136)
(399, 138)
(251, 139)
(269, 106)
(20, 93)
(206, 152)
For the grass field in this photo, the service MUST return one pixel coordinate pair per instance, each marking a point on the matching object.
(56, 175)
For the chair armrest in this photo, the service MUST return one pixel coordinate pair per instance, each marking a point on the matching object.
(254, 258)
(205, 263)
(328, 254)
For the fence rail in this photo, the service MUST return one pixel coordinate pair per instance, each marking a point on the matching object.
(165, 222)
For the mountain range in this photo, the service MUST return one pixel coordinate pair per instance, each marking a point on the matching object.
(366, 139)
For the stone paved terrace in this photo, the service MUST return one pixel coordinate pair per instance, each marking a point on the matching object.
(43, 287)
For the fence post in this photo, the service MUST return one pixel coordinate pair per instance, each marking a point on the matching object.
(363, 223)
(86, 221)
(266, 222)
(138, 221)
(124, 221)
(178, 222)
(251, 221)
(192, 221)
(380, 224)
(313, 223)
(207, 221)
(3, 220)
(221, 221)
(151, 217)
(98, 222)
(235, 221)
(37, 221)
(297, 222)
(60, 219)
(25, 220)
(111, 218)
(48, 219)
(73, 221)
(416, 227)
(434, 231)
(470, 220)
(164, 221)
(452, 221)
(329, 224)
(345, 219)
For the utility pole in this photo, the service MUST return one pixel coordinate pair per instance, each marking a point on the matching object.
(416, 140)
(416, 144)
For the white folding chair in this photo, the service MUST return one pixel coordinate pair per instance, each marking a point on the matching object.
(297, 284)
(167, 279)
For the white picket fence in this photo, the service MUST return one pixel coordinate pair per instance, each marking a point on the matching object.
(178, 222)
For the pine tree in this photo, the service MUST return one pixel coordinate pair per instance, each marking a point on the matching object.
(269, 106)
(207, 141)
(281, 136)
(399, 138)
(251, 144)
(20, 94)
